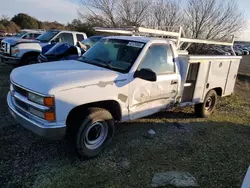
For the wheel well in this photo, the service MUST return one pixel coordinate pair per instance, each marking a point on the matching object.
(112, 106)
(218, 91)
(30, 54)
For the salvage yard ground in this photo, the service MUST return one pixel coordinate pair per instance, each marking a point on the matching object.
(216, 151)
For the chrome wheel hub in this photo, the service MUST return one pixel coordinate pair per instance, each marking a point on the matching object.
(96, 134)
(209, 104)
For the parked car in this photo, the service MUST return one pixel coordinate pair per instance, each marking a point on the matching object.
(28, 34)
(64, 51)
(18, 52)
(120, 78)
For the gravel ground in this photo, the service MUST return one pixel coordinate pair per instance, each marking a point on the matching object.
(215, 150)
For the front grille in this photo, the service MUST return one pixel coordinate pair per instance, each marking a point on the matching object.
(20, 90)
(21, 104)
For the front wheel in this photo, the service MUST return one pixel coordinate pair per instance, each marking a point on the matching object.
(95, 133)
(206, 108)
(29, 60)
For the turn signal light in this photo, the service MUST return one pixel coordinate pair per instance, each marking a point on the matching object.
(50, 116)
(49, 101)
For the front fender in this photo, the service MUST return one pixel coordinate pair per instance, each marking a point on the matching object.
(69, 99)
(28, 47)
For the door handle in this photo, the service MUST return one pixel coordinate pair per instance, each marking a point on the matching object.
(174, 82)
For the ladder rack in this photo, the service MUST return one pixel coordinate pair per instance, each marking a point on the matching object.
(142, 31)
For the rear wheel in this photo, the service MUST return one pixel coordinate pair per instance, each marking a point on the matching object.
(206, 108)
(95, 133)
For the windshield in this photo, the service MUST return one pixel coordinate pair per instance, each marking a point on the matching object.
(113, 54)
(20, 34)
(47, 36)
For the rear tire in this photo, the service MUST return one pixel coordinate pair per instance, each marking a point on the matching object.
(95, 133)
(206, 108)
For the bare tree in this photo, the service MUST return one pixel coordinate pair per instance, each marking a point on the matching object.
(102, 10)
(133, 12)
(210, 19)
(166, 14)
(205, 19)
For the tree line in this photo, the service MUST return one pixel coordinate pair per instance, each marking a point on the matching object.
(205, 19)
(24, 21)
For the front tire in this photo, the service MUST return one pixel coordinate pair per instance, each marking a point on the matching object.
(206, 108)
(95, 133)
(29, 60)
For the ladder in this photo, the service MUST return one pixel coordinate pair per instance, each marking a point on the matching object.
(177, 36)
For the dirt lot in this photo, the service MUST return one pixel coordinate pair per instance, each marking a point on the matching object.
(215, 150)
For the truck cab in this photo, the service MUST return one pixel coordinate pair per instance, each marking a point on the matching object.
(21, 51)
(120, 78)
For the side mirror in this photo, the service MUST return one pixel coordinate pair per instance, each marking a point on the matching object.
(146, 74)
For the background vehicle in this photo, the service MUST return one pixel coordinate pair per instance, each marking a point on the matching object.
(20, 52)
(28, 34)
(60, 51)
(120, 78)
(64, 51)
(23, 34)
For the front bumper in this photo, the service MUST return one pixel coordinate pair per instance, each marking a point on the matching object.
(49, 130)
(9, 60)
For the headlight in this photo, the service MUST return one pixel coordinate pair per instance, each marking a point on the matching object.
(36, 98)
(45, 101)
(14, 51)
(37, 112)
(49, 116)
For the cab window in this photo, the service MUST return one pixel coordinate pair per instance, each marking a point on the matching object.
(65, 37)
(28, 36)
(158, 58)
(79, 37)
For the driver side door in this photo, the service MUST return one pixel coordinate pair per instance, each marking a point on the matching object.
(150, 97)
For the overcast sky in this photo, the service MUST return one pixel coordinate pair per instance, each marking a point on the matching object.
(66, 10)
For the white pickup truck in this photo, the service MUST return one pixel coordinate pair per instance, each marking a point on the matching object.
(120, 78)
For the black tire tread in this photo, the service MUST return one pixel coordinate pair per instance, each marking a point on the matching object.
(92, 113)
(200, 109)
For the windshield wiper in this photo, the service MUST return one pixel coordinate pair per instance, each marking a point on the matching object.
(104, 63)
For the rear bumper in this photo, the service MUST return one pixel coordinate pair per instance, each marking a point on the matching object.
(9, 60)
(49, 130)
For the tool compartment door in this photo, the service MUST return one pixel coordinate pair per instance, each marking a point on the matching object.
(231, 78)
(217, 75)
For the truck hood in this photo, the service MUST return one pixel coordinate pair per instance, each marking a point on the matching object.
(14, 40)
(50, 78)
